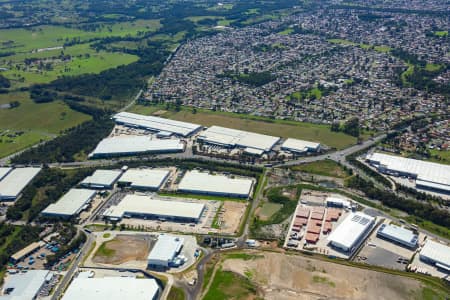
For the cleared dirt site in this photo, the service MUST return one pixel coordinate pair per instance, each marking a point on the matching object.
(284, 277)
(123, 248)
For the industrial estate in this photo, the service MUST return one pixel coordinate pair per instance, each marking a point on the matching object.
(204, 150)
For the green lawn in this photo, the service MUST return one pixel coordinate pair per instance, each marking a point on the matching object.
(379, 48)
(442, 33)
(229, 285)
(433, 67)
(306, 131)
(176, 294)
(37, 121)
(287, 31)
(442, 157)
(323, 167)
(104, 251)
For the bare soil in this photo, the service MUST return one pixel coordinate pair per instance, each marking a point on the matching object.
(233, 215)
(285, 277)
(126, 248)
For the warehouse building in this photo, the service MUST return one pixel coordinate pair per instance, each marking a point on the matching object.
(158, 125)
(25, 286)
(144, 179)
(436, 254)
(428, 175)
(137, 206)
(112, 288)
(101, 179)
(300, 146)
(165, 251)
(31, 248)
(220, 185)
(4, 171)
(351, 232)
(15, 181)
(398, 235)
(70, 205)
(232, 138)
(135, 145)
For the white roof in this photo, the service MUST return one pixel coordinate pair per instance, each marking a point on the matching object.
(71, 203)
(344, 202)
(111, 288)
(195, 181)
(299, 145)
(399, 233)
(153, 206)
(165, 248)
(102, 178)
(25, 285)
(148, 178)
(156, 123)
(437, 252)
(16, 181)
(135, 144)
(233, 137)
(425, 171)
(4, 171)
(351, 229)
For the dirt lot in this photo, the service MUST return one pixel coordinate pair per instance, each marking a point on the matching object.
(123, 248)
(284, 277)
(232, 216)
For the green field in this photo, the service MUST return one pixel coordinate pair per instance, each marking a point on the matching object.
(37, 121)
(378, 48)
(287, 31)
(442, 33)
(307, 131)
(323, 167)
(442, 156)
(433, 67)
(104, 251)
(268, 209)
(228, 285)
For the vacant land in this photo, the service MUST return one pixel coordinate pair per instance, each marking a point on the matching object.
(267, 210)
(123, 248)
(306, 131)
(30, 123)
(229, 285)
(232, 216)
(279, 276)
(323, 167)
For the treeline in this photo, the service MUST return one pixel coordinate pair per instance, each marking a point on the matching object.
(377, 176)
(350, 127)
(74, 243)
(419, 195)
(4, 82)
(120, 82)
(422, 210)
(80, 139)
(46, 188)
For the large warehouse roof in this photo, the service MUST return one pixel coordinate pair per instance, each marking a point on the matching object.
(299, 145)
(145, 178)
(202, 182)
(437, 175)
(102, 178)
(166, 247)
(70, 204)
(232, 137)
(16, 181)
(351, 230)
(437, 252)
(4, 172)
(146, 205)
(156, 123)
(24, 286)
(112, 288)
(129, 145)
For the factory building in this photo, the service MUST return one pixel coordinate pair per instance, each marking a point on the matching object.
(398, 235)
(70, 205)
(300, 146)
(219, 185)
(161, 126)
(351, 232)
(112, 288)
(165, 251)
(149, 207)
(14, 181)
(232, 138)
(25, 286)
(101, 179)
(144, 179)
(436, 254)
(428, 175)
(135, 145)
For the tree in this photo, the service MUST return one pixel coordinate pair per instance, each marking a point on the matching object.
(351, 127)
